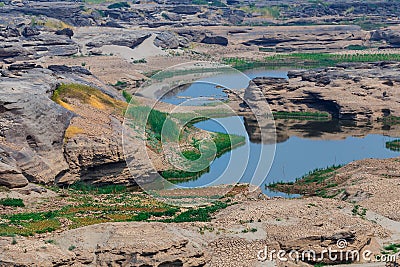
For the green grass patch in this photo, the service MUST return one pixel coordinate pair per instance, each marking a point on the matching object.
(12, 202)
(301, 115)
(105, 189)
(127, 96)
(308, 60)
(156, 121)
(392, 248)
(393, 145)
(200, 214)
(120, 84)
(356, 47)
(267, 11)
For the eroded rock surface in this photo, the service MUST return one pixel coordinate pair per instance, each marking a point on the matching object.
(359, 92)
(32, 128)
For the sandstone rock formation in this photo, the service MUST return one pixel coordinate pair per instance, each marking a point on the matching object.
(32, 128)
(33, 44)
(359, 92)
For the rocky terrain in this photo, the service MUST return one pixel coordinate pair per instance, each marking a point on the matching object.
(235, 235)
(68, 68)
(358, 92)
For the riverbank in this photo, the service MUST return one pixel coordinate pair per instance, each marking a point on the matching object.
(247, 223)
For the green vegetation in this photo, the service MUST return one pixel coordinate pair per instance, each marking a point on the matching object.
(90, 205)
(119, 5)
(393, 145)
(315, 183)
(12, 202)
(200, 214)
(356, 211)
(142, 60)
(181, 175)
(309, 59)
(330, 59)
(156, 122)
(301, 115)
(392, 248)
(127, 96)
(120, 85)
(242, 63)
(105, 189)
(390, 120)
(267, 11)
(223, 143)
(356, 47)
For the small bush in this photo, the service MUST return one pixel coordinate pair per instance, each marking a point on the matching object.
(12, 202)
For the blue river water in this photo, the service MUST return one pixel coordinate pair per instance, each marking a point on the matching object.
(292, 157)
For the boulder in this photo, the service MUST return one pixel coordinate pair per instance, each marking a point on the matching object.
(9, 31)
(167, 40)
(30, 31)
(23, 66)
(67, 69)
(171, 16)
(112, 24)
(186, 9)
(219, 40)
(66, 31)
(10, 175)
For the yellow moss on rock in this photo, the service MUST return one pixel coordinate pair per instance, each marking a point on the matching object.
(72, 131)
(87, 95)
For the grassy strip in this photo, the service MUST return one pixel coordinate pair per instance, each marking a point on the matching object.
(12, 202)
(315, 183)
(393, 145)
(309, 59)
(300, 115)
(99, 205)
(199, 214)
(89, 188)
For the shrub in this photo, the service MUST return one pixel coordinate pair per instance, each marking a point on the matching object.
(12, 202)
